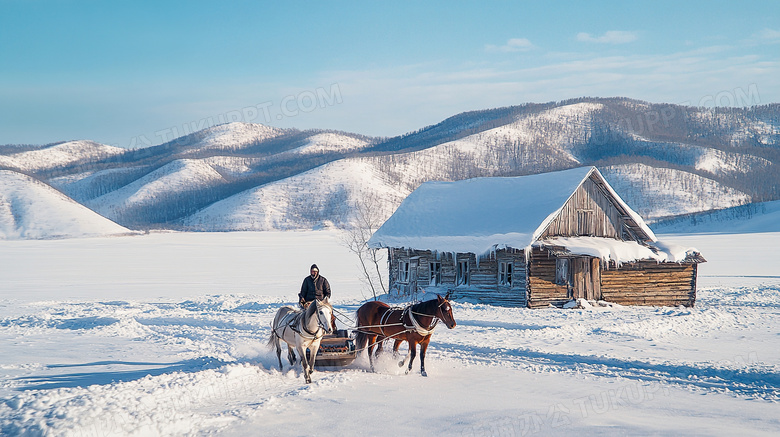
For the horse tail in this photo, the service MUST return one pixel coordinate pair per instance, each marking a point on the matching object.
(361, 339)
(272, 339)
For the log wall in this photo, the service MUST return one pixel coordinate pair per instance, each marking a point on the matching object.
(650, 283)
(483, 286)
(533, 285)
(542, 289)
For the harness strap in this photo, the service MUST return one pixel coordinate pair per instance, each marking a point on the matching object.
(382, 321)
(313, 334)
(433, 324)
(296, 324)
(416, 325)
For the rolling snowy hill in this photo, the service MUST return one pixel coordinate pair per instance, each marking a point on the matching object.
(664, 159)
(663, 192)
(59, 155)
(166, 186)
(321, 197)
(82, 187)
(744, 219)
(231, 136)
(331, 142)
(30, 209)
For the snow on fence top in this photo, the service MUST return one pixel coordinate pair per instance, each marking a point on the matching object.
(483, 214)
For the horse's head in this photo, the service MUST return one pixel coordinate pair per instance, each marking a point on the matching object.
(324, 314)
(444, 311)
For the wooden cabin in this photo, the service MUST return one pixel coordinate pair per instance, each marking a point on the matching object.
(536, 241)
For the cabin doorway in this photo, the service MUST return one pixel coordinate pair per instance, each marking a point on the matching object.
(586, 278)
(414, 263)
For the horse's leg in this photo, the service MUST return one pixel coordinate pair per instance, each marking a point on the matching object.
(290, 355)
(313, 347)
(423, 348)
(412, 354)
(371, 341)
(396, 345)
(278, 347)
(312, 355)
(304, 362)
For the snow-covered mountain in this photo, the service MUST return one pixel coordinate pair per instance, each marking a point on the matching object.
(663, 159)
(662, 192)
(515, 147)
(87, 185)
(232, 136)
(751, 218)
(324, 196)
(30, 209)
(58, 155)
(161, 188)
(331, 142)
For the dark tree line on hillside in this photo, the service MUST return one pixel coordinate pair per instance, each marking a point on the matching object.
(741, 212)
(456, 127)
(170, 207)
(9, 149)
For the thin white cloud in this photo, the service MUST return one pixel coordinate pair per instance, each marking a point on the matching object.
(768, 35)
(512, 45)
(609, 37)
(405, 98)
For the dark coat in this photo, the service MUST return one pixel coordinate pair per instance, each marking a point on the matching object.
(318, 288)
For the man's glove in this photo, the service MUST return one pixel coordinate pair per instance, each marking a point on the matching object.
(302, 302)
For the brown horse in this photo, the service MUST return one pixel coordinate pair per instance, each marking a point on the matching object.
(378, 322)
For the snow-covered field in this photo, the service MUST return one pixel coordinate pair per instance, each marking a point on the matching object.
(164, 334)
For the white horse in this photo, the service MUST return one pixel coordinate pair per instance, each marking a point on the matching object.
(302, 330)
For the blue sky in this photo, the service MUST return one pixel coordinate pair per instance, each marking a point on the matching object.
(135, 73)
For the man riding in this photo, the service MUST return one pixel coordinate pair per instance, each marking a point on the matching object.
(317, 287)
(314, 286)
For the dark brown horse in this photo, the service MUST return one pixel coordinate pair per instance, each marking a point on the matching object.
(378, 322)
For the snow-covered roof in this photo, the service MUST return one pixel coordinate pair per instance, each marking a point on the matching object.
(481, 214)
(609, 249)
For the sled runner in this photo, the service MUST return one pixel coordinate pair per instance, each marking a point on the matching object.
(336, 350)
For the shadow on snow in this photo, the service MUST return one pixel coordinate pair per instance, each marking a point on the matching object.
(754, 381)
(98, 377)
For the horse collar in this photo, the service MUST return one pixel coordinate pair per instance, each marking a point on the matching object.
(314, 334)
(416, 325)
(297, 325)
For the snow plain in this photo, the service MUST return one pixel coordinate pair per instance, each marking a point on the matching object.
(164, 334)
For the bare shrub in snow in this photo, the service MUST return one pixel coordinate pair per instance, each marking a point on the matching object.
(367, 218)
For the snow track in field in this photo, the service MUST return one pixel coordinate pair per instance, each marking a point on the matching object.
(215, 373)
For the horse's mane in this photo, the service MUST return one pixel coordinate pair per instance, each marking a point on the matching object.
(311, 309)
(424, 307)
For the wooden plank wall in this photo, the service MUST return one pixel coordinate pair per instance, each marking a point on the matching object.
(542, 289)
(483, 286)
(650, 283)
(640, 283)
(606, 219)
